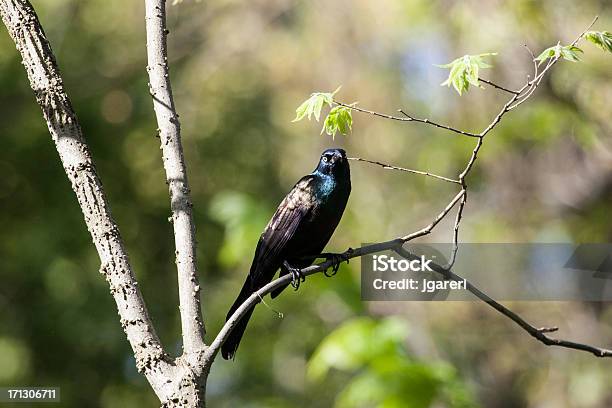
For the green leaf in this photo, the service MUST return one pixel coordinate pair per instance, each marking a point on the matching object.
(570, 53)
(300, 112)
(602, 39)
(479, 61)
(339, 119)
(314, 105)
(318, 105)
(567, 52)
(464, 71)
(550, 52)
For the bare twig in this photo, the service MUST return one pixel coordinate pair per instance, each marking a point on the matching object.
(436, 220)
(453, 256)
(429, 122)
(176, 176)
(494, 85)
(535, 62)
(390, 167)
(538, 333)
(406, 118)
(382, 115)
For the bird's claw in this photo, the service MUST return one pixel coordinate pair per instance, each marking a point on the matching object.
(296, 278)
(296, 275)
(333, 272)
(337, 259)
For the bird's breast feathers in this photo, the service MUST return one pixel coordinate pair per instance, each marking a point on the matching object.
(325, 187)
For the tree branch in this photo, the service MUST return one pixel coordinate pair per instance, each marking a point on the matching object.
(390, 167)
(176, 176)
(24, 28)
(427, 230)
(538, 333)
(494, 85)
(407, 118)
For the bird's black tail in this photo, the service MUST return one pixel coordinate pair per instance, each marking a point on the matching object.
(228, 349)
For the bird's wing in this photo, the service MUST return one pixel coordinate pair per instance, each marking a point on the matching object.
(294, 209)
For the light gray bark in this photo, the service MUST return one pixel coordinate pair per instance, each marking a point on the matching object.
(176, 176)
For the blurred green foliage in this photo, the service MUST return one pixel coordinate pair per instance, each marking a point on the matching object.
(385, 373)
(239, 70)
(242, 217)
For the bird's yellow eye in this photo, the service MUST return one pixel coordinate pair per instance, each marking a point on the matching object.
(325, 158)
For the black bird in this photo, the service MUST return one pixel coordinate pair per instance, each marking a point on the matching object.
(297, 233)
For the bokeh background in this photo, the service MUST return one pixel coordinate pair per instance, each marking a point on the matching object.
(239, 70)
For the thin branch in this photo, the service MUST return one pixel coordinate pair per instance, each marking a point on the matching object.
(532, 85)
(494, 85)
(40, 64)
(514, 102)
(390, 167)
(406, 118)
(429, 122)
(535, 62)
(436, 221)
(453, 256)
(537, 333)
(176, 177)
(382, 115)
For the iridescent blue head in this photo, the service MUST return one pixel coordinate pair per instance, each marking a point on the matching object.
(334, 162)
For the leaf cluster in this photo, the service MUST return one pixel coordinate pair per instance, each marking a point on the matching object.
(339, 118)
(567, 52)
(602, 39)
(464, 71)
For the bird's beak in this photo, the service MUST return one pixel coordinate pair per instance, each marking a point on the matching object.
(337, 157)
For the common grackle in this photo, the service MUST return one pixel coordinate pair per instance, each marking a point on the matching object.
(297, 233)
